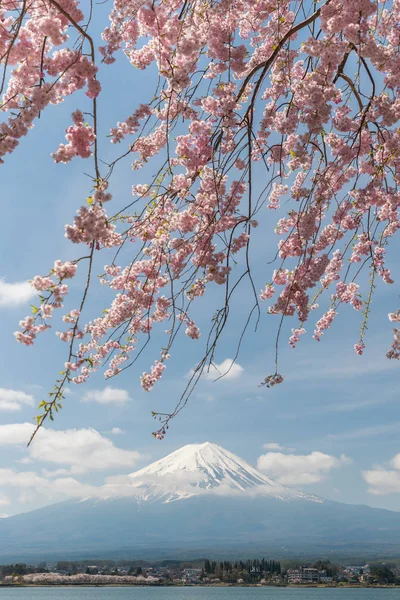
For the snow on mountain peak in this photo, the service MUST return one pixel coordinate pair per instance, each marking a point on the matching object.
(197, 468)
(214, 465)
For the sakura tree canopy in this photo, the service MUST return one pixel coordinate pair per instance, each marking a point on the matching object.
(303, 93)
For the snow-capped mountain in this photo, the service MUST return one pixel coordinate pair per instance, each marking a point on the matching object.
(197, 469)
(201, 500)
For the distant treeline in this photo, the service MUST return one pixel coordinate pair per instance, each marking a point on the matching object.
(251, 566)
(17, 569)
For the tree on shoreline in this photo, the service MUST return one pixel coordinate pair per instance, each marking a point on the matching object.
(257, 104)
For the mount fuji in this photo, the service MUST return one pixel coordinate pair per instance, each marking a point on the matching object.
(200, 500)
(198, 469)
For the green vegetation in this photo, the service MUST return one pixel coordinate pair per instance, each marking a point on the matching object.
(249, 571)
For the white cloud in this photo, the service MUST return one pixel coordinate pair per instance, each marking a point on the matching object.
(70, 453)
(15, 434)
(118, 480)
(27, 460)
(48, 473)
(227, 369)
(13, 400)
(33, 486)
(277, 447)
(383, 481)
(109, 395)
(12, 294)
(80, 450)
(117, 431)
(4, 500)
(44, 489)
(20, 479)
(297, 469)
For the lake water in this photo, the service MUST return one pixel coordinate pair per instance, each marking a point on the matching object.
(188, 593)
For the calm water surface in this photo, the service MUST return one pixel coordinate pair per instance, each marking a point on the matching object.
(206, 593)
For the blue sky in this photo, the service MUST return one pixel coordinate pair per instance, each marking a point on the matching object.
(335, 417)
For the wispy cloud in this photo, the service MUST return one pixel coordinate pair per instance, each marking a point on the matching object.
(13, 294)
(347, 366)
(366, 432)
(350, 405)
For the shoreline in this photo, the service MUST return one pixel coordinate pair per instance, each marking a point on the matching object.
(194, 585)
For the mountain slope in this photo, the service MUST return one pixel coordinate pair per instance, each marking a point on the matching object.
(200, 500)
